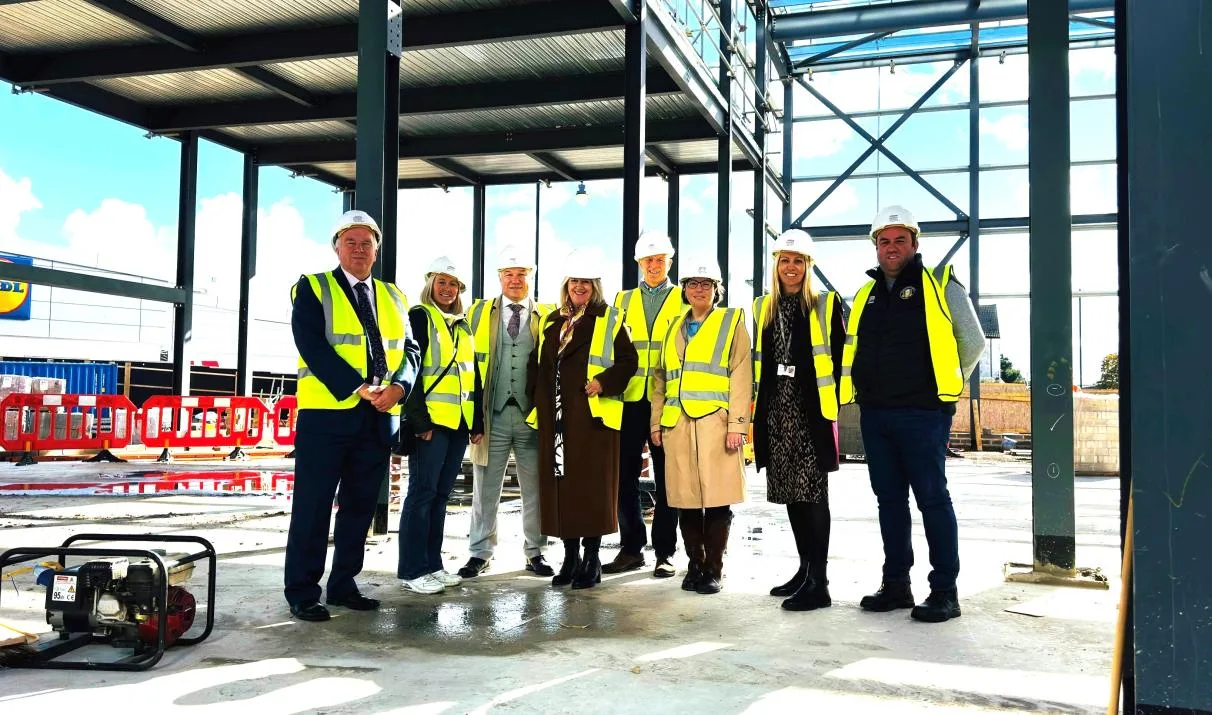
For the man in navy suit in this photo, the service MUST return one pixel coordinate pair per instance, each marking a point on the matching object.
(357, 361)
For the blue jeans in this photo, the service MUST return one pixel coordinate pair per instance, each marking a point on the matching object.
(432, 470)
(906, 448)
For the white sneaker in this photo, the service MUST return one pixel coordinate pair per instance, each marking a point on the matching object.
(426, 585)
(446, 578)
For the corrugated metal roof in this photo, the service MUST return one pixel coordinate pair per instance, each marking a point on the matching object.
(343, 169)
(418, 169)
(298, 131)
(186, 87)
(57, 25)
(330, 76)
(580, 114)
(563, 56)
(437, 7)
(502, 164)
(589, 159)
(696, 152)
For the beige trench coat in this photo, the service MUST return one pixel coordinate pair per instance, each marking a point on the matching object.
(699, 471)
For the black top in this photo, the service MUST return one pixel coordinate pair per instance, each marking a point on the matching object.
(892, 364)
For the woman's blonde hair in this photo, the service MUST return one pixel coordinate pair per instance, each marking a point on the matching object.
(808, 294)
(427, 295)
(597, 298)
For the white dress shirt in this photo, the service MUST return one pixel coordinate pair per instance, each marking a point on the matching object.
(507, 313)
(370, 284)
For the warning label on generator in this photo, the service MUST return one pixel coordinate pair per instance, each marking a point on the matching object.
(64, 589)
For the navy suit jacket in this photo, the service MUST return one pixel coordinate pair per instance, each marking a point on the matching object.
(341, 379)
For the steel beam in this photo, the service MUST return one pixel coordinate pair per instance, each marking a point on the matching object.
(478, 216)
(279, 84)
(674, 217)
(151, 23)
(738, 165)
(555, 164)
(414, 101)
(53, 278)
(183, 313)
(455, 145)
(950, 107)
(662, 160)
(391, 171)
(515, 22)
(248, 269)
(788, 149)
(1052, 426)
(759, 179)
(837, 50)
(987, 225)
(456, 170)
(912, 14)
(723, 206)
(635, 139)
(370, 146)
(975, 432)
(1168, 271)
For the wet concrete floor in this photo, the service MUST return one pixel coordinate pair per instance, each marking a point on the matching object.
(508, 642)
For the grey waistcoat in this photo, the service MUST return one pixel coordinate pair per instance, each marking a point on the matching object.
(509, 374)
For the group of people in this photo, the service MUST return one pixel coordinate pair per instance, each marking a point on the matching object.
(575, 391)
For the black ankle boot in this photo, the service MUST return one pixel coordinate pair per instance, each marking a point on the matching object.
(939, 606)
(590, 572)
(572, 563)
(794, 584)
(813, 594)
(694, 573)
(891, 596)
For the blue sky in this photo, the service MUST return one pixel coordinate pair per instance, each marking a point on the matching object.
(81, 188)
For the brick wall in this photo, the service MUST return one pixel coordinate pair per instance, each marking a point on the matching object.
(1096, 439)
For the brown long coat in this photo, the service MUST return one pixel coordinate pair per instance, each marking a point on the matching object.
(585, 501)
(699, 472)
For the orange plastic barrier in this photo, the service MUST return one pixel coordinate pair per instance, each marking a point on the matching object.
(38, 422)
(172, 421)
(285, 414)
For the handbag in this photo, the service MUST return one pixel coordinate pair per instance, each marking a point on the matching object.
(407, 440)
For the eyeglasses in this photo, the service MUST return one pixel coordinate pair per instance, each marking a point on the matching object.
(690, 284)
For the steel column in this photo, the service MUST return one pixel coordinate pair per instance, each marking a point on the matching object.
(187, 212)
(347, 200)
(388, 261)
(788, 147)
(974, 221)
(724, 158)
(372, 113)
(759, 136)
(478, 216)
(248, 269)
(538, 201)
(1169, 273)
(634, 122)
(674, 218)
(1051, 288)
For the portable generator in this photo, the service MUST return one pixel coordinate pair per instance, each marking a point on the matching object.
(127, 598)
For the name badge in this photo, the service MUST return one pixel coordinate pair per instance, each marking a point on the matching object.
(786, 370)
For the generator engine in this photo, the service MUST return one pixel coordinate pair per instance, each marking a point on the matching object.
(115, 598)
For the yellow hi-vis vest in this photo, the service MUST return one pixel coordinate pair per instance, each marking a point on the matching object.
(348, 338)
(700, 385)
(944, 351)
(601, 357)
(631, 302)
(480, 318)
(450, 402)
(822, 357)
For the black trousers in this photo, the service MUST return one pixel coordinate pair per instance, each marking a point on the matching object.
(358, 464)
(632, 531)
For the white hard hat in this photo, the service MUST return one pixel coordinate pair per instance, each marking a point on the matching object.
(653, 243)
(350, 219)
(513, 256)
(794, 240)
(583, 264)
(894, 216)
(700, 268)
(442, 264)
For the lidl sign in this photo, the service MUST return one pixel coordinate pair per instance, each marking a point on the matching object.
(14, 295)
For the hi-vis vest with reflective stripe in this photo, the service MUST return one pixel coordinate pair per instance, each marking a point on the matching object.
(601, 357)
(700, 385)
(479, 316)
(822, 358)
(631, 302)
(451, 401)
(944, 351)
(347, 337)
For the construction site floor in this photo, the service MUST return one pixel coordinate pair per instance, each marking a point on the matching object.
(508, 642)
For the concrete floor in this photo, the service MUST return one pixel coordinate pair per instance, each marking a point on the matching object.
(506, 642)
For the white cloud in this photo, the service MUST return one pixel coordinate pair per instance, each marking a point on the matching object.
(843, 199)
(1010, 130)
(16, 198)
(1004, 80)
(284, 252)
(1099, 61)
(1093, 189)
(115, 233)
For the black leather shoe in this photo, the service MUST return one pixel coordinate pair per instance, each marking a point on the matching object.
(474, 567)
(708, 585)
(589, 574)
(939, 606)
(891, 596)
(791, 586)
(624, 562)
(664, 569)
(310, 611)
(539, 566)
(811, 596)
(568, 571)
(354, 602)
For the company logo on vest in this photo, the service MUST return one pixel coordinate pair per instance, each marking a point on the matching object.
(14, 295)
